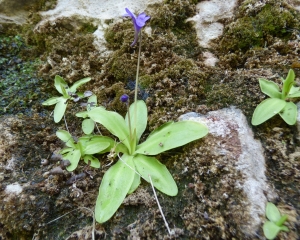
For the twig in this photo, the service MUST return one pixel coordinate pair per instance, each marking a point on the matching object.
(66, 124)
(98, 128)
(130, 167)
(160, 209)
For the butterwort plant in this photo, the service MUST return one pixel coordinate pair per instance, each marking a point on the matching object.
(68, 93)
(275, 222)
(279, 101)
(136, 159)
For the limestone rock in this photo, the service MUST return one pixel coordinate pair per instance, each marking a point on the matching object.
(233, 137)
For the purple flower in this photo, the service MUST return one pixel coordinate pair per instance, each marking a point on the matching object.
(124, 98)
(138, 23)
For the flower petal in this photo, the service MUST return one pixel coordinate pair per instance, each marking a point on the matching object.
(138, 23)
(142, 19)
(130, 14)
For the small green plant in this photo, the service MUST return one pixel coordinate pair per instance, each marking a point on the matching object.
(67, 94)
(278, 102)
(275, 224)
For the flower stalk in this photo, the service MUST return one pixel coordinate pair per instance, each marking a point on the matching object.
(137, 80)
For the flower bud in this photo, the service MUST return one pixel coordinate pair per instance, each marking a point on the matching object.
(124, 98)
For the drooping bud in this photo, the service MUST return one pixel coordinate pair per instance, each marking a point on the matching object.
(124, 98)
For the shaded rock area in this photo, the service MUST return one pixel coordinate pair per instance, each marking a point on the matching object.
(224, 179)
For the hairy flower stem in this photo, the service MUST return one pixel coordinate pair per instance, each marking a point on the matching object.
(137, 81)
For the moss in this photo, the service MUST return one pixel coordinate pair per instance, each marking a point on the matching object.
(165, 18)
(119, 35)
(122, 67)
(19, 84)
(275, 21)
(259, 28)
(241, 35)
(237, 89)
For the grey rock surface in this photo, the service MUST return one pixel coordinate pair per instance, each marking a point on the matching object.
(234, 138)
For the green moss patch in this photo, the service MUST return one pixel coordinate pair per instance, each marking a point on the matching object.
(19, 84)
(259, 28)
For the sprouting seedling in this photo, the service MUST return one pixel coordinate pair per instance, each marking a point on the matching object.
(275, 224)
(278, 102)
(67, 94)
(88, 124)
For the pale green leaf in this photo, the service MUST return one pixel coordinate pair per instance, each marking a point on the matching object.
(114, 187)
(90, 159)
(77, 84)
(73, 157)
(92, 100)
(66, 137)
(51, 101)
(294, 92)
(269, 88)
(267, 109)
(60, 84)
(282, 220)
(66, 150)
(113, 122)
(135, 184)
(88, 126)
(272, 212)
(141, 118)
(94, 144)
(172, 135)
(294, 95)
(64, 92)
(289, 113)
(270, 230)
(82, 114)
(288, 83)
(284, 228)
(80, 95)
(160, 175)
(120, 148)
(60, 109)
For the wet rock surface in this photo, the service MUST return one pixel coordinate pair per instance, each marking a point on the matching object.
(219, 198)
